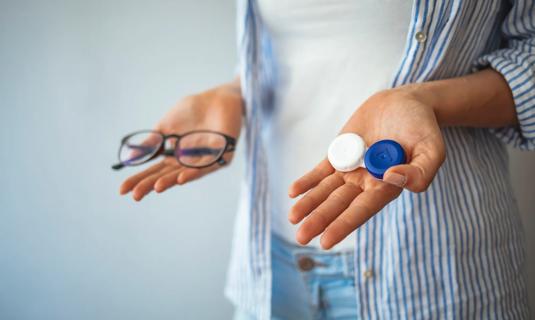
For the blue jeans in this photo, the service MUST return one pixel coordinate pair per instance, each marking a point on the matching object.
(309, 283)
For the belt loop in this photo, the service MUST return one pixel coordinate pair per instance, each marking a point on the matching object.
(348, 263)
(346, 267)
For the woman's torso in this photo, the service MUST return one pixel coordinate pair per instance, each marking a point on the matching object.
(330, 57)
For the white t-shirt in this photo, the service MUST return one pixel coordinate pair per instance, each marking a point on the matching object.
(331, 56)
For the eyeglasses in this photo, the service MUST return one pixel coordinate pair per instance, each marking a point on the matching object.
(194, 149)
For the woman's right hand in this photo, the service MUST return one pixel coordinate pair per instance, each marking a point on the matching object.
(218, 109)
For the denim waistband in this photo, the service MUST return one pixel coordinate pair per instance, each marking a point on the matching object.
(313, 260)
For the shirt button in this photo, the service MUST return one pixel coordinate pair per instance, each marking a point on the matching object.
(367, 274)
(420, 37)
(305, 263)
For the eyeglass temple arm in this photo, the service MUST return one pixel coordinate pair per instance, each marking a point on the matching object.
(117, 166)
(199, 151)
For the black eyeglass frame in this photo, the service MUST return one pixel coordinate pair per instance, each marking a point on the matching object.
(230, 146)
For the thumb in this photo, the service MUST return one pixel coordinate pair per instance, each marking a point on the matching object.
(418, 174)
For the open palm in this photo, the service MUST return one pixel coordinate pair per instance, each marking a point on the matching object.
(337, 203)
(219, 109)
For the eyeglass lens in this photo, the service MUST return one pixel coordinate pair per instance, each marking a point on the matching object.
(198, 149)
(140, 147)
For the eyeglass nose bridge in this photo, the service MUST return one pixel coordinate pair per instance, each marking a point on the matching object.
(171, 136)
(169, 151)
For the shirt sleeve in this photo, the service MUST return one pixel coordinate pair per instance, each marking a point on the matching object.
(516, 62)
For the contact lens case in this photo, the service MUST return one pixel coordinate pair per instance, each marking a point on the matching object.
(348, 151)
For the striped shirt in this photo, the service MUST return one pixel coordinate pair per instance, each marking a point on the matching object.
(455, 251)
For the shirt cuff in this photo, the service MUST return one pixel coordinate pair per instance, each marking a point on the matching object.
(518, 68)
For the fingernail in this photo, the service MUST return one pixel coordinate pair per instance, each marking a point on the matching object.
(301, 239)
(292, 219)
(325, 245)
(395, 179)
(291, 192)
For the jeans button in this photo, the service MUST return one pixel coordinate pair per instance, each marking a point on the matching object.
(368, 274)
(305, 263)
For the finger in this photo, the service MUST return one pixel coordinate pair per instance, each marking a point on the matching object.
(311, 179)
(314, 198)
(363, 207)
(146, 185)
(167, 181)
(419, 173)
(191, 174)
(321, 217)
(132, 181)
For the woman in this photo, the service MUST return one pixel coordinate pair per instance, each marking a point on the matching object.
(438, 237)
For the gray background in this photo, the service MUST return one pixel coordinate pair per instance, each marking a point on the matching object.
(74, 77)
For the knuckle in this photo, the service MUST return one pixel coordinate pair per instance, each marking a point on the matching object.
(363, 209)
(317, 221)
(324, 168)
(346, 224)
(420, 185)
(326, 183)
(299, 207)
(307, 230)
(305, 203)
(333, 181)
(336, 196)
(315, 196)
(442, 156)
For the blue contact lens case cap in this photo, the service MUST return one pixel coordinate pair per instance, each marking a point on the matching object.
(382, 155)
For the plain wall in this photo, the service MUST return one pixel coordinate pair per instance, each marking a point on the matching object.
(74, 77)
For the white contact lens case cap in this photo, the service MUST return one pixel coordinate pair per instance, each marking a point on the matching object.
(346, 152)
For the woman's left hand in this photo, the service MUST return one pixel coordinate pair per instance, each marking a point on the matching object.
(337, 203)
